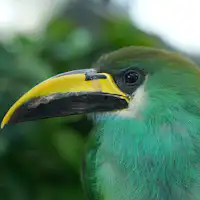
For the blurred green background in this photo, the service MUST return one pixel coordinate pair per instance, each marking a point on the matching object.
(41, 160)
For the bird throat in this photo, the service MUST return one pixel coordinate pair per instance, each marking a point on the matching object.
(147, 159)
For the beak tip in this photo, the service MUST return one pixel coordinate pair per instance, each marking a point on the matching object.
(3, 124)
(2, 127)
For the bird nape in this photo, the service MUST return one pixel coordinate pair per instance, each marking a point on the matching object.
(146, 103)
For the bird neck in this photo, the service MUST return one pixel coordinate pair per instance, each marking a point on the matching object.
(153, 152)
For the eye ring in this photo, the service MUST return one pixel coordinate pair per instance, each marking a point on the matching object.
(131, 77)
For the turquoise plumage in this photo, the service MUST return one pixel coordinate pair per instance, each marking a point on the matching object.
(154, 153)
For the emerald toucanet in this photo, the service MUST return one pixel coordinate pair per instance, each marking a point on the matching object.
(146, 142)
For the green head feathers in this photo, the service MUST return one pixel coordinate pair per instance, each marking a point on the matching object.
(168, 79)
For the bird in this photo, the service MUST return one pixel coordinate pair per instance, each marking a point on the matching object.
(145, 103)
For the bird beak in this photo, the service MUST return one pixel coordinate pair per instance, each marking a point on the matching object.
(70, 93)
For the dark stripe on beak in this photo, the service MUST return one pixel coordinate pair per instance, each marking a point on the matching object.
(67, 104)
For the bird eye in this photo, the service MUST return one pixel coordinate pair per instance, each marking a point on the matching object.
(131, 77)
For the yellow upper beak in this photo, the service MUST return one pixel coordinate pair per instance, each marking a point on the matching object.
(68, 92)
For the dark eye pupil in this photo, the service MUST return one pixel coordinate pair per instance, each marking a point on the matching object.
(131, 77)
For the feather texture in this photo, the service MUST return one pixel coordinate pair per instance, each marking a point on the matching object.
(146, 160)
(155, 156)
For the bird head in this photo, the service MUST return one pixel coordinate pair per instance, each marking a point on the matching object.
(130, 82)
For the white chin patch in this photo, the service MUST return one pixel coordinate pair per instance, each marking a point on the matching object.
(96, 117)
(136, 105)
(133, 111)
